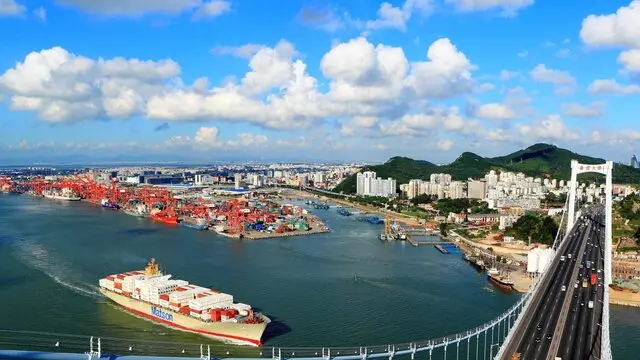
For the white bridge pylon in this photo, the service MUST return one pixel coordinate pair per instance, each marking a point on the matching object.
(605, 169)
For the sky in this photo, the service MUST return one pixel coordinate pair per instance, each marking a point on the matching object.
(345, 80)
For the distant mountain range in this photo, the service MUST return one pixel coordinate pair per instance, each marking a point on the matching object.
(539, 160)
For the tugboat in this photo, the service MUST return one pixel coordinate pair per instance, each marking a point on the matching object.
(106, 203)
(504, 282)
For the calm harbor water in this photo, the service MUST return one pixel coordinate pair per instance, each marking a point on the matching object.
(344, 288)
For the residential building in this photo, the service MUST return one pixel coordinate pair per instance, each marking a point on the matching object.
(203, 179)
(476, 189)
(368, 184)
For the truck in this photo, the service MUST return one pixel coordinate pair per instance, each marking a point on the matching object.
(590, 304)
(594, 279)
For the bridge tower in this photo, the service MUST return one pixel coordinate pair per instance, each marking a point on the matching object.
(605, 169)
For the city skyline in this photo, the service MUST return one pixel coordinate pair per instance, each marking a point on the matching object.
(341, 82)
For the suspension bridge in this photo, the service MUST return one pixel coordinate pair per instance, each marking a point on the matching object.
(563, 316)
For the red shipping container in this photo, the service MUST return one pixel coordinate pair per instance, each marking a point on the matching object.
(121, 276)
(216, 315)
(181, 289)
(174, 304)
(118, 286)
(127, 293)
(110, 277)
(164, 297)
(196, 311)
(184, 310)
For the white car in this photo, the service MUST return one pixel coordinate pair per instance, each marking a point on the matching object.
(564, 288)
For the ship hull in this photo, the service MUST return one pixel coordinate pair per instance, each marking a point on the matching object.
(195, 226)
(172, 220)
(228, 332)
(500, 283)
(65, 198)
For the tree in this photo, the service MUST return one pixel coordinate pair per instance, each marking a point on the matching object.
(422, 199)
(443, 228)
(636, 235)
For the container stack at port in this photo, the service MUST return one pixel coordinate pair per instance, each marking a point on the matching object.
(237, 217)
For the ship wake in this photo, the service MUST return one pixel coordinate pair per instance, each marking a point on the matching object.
(37, 257)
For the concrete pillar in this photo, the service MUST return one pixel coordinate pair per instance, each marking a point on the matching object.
(572, 196)
(608, 231)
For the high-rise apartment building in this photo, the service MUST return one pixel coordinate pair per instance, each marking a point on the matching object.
(368, 184)
(476, 189)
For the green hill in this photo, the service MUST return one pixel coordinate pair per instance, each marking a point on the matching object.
(540, 160)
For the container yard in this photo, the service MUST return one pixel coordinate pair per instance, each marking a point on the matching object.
(245, 216)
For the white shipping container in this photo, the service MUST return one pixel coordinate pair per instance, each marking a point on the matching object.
(241, 306)
(118, 291)
(205, 316)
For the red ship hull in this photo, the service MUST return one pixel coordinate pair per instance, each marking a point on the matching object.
(165, 219)
(501, 284)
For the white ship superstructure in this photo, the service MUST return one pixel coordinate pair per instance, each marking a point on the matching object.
(61, 194)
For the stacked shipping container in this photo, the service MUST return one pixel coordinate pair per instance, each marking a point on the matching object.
(177, 295)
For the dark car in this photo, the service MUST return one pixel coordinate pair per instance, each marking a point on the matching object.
(539, 327)
(549, 336)
(537, 339)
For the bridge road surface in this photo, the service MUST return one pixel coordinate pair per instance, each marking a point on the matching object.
(582, 331)
(535, 331)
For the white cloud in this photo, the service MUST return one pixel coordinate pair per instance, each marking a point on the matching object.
(557, 77)
(448, 73)
(246, 51)
(495, 111)
(324, 18)
(212, 9)
(11, 8)
(592, 110)
(564, 83)
(611, 86)
(445, 144)
(208, 137)
(563, 53)
(64, 87)
(40, 13)
(506, 75)
(484, 87)
(389, 16)
(133, 7)
(550, 128)
(429, 122)
(620, 29)
(630, 61)
(507, 7)
(501, 135)
(523, 54)
(365, 81)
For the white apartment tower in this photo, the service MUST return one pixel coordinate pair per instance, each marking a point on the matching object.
(368, 184)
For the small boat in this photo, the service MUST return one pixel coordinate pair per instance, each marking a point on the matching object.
(504, 282)
(109, 204)
(195, 226)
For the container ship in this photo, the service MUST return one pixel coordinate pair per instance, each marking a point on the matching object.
(64, 194)
(186, 307)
